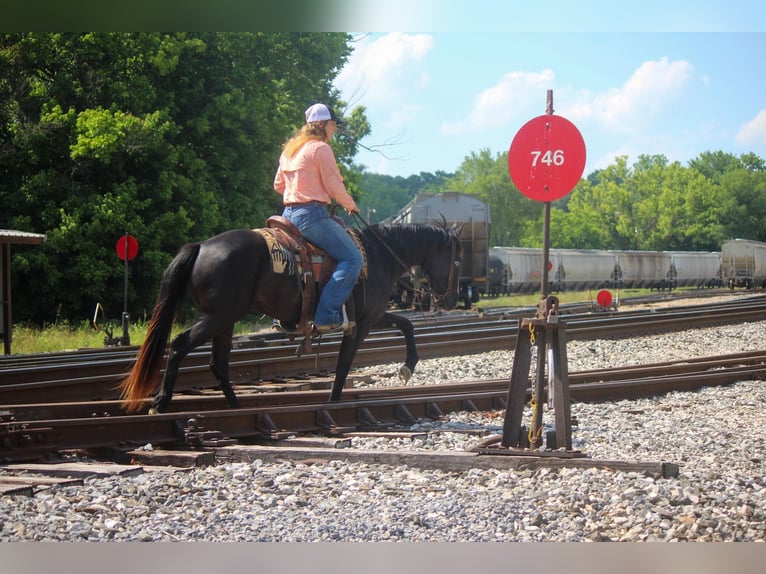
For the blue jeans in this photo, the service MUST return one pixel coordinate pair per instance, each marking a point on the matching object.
(316, 225)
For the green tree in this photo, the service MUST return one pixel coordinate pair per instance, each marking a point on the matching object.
(171, 137)
(516, 219)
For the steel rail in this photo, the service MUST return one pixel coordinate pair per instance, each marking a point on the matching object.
(278, 415)
(98, 380)
(257, 396)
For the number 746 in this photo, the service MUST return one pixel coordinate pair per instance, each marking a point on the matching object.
(548, 157)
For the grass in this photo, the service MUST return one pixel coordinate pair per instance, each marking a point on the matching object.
(60, 337)
(564, 297)
(69, 337)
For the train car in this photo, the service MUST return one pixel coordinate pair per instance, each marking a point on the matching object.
(580, 269)
(522, 268)
(695, 269)
(643, 269)
(743, 263)
(473, 214)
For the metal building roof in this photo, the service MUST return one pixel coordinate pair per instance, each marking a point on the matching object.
(13, 236)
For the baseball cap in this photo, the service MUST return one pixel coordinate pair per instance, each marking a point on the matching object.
(319, 112)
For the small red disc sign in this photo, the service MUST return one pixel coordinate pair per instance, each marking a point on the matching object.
(127, 247)
(546, 158)
(604, 298)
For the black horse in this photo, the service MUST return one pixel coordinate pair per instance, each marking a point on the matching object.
(230, 275)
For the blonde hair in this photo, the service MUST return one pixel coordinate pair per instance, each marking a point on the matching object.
(310, 131)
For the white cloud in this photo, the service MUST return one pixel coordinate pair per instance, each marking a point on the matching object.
(753, 133)
(380, 69)
(650, 89)
(515, 93)
(646, 94)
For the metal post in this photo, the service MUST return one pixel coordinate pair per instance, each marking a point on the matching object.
(125, 333)
(547, 333)
(546, 220)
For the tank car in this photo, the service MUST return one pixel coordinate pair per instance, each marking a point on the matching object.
(743, 263)
(695, 268)
(473, 214)
(579, 269)
(644, 269)
(522, 268)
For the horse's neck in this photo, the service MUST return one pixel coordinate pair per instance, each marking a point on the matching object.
(408, 246)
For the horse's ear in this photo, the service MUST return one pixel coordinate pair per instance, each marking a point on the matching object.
(441, 222)
(458, 228)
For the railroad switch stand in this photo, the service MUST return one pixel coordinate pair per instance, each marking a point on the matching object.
(548, 334)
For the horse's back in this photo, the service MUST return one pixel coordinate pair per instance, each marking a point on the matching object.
(228, 260)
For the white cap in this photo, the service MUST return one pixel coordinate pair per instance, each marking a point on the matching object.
(320, 112)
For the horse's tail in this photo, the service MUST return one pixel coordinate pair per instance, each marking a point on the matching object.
(144, 376)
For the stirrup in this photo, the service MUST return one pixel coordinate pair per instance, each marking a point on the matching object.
(345, 326)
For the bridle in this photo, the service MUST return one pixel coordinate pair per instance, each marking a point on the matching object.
(454, 263)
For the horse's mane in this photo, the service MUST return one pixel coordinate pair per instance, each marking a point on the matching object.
(401, 236)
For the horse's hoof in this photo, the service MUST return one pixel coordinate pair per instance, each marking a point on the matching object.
(404, 374)
(154, 411)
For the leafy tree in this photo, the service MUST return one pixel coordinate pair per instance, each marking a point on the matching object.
(171, 137)
(384, 196)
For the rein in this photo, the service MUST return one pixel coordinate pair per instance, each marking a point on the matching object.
(405, 267)
(377, 236)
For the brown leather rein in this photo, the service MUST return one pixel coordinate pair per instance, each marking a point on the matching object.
(453, 261)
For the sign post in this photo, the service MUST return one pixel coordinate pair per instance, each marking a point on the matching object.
(546, 160)
(127, 249)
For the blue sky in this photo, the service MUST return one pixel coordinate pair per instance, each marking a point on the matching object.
(655, 87)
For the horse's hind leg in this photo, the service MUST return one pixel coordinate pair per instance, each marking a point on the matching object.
(405, 326)
(181, 346)
(219, 365)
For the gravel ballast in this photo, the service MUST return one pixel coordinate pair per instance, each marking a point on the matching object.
(716, 435)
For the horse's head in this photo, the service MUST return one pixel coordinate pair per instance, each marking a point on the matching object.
(442, 268)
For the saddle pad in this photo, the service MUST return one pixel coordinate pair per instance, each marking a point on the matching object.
(282, 261)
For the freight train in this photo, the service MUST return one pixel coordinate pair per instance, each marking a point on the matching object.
(520, 269)
(493, 271)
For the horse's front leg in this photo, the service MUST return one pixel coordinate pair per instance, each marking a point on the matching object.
(348, 349)
(405, 326)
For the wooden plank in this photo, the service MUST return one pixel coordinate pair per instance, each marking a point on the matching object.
(27, 485)
(80, 469)
(412, 435)
(35, 480)
(180, 458)
(306, 442)
(23, 489)
(448, 461)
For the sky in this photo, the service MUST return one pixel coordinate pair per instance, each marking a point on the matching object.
(690, 79)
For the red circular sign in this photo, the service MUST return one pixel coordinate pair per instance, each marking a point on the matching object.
(604, 298)
(127, 247)
(546, 158)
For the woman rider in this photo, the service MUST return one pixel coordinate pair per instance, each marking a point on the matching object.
(309, 179)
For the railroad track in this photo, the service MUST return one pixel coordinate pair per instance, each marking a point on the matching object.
(264, 359)
(33, 428)
(204, 422)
